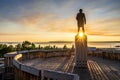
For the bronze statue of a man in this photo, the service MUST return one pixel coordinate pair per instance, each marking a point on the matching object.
(81, 20)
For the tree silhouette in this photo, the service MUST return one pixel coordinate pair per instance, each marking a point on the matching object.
(26, 45)
(65, 46)
(18, 47)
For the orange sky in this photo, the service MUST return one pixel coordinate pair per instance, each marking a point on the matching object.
(55, 21)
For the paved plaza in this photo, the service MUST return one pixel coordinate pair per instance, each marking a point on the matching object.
(98, 68)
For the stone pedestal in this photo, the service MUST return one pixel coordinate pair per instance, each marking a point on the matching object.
(81, 51)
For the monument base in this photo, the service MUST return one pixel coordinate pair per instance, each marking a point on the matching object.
(81, 50)
(81, 57)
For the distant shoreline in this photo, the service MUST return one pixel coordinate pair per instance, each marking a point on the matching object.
(63, 42)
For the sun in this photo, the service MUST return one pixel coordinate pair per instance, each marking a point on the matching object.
(81, 34)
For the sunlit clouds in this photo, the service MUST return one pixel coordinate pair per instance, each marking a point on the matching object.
(49, 20)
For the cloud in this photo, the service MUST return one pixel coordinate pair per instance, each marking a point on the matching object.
(17, 34)
(58, 16)
(47, 22)
(113, 21)
(108, 27)
(53, 23)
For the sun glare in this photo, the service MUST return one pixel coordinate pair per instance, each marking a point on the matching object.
(80, 34)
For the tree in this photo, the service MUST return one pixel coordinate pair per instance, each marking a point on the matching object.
(47, 47)
(39, 47)
(54, 47)
(65, 46)
(32, 46)
(18, 47)
(26, 45)
(72, 47)
(5, 49)
(10, 48)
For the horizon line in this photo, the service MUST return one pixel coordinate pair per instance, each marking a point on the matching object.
(50, 41)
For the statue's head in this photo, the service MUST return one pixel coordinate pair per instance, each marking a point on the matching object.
(80, 10)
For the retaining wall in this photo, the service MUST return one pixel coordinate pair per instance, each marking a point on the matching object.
(24, 72)
(106, 54)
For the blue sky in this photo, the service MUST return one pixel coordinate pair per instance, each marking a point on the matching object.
(49, 20)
